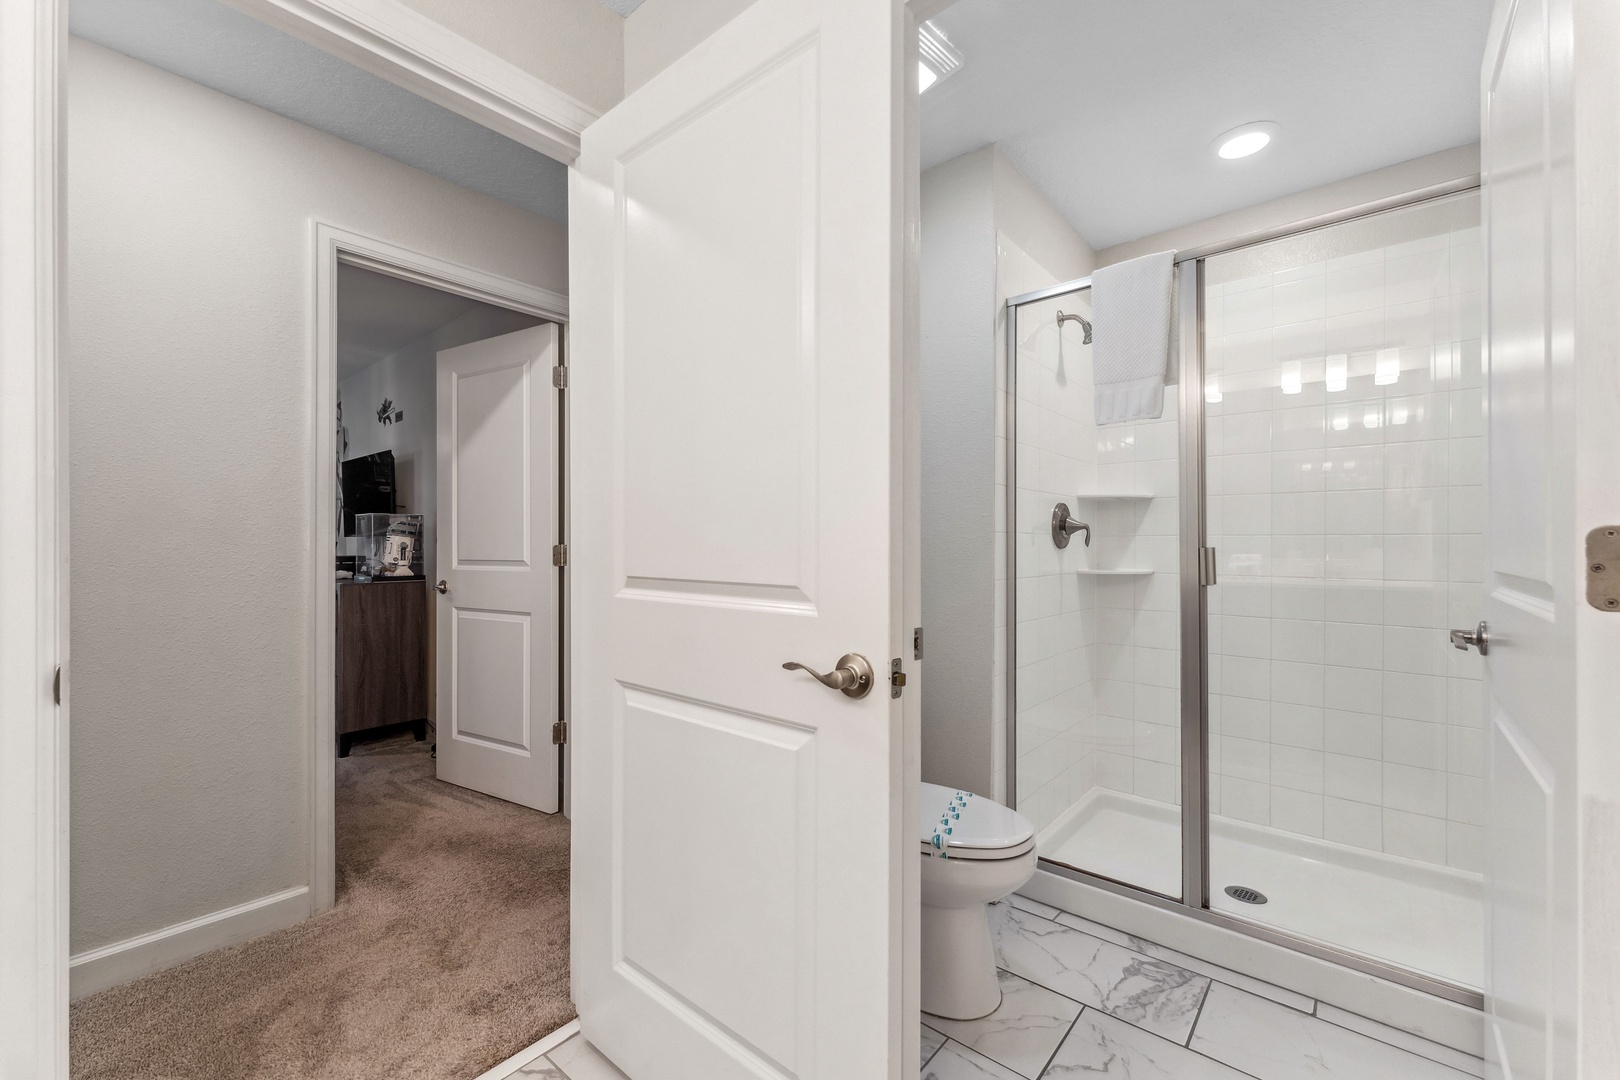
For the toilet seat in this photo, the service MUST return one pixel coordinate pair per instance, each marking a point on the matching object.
(960, 825)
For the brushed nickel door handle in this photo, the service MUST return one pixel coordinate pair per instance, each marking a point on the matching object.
(852, 676)
(443, 586)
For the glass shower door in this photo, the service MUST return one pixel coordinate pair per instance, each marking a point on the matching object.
(1343, 475)
(1095, 705)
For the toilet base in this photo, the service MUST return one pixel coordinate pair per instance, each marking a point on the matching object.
(958, 963)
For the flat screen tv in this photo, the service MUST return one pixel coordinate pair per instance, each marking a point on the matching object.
(368, 487)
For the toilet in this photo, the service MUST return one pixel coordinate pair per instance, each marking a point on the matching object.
(975, 852)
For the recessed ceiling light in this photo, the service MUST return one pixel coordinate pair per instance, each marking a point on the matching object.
(937, 58)
(1240, 142)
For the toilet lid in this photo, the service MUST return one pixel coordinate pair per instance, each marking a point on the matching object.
(961, 823)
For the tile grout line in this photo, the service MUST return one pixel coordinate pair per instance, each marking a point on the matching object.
(1066, 1033)
(1199, 1015)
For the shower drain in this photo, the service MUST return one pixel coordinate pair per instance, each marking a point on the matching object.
(1246, 894)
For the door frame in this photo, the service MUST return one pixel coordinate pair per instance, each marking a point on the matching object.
(335, 246)
(33, 545)
(1194, 899)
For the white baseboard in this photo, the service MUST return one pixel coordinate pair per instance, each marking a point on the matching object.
(133, 957)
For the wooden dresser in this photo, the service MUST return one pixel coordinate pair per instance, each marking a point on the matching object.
(382, 657)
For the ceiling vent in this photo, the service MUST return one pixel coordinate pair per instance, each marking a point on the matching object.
(937, 58)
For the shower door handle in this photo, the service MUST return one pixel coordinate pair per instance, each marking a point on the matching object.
(1477, 638)
(852, 676)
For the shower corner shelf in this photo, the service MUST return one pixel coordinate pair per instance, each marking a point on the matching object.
(1137, 572)
(1118, 496)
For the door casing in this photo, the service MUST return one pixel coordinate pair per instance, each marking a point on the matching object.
(334, 246)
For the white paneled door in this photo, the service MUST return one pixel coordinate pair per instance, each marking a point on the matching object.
(497, 615)
(1552, 204)
(739, 853)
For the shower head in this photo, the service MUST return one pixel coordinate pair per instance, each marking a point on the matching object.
(1085, 324)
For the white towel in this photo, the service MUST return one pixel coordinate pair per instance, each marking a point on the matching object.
(1132, 313)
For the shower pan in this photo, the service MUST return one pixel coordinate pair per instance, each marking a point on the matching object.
(1238, 698)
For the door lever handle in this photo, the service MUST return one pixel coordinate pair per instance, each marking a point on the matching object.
(1477, 637)
(853, 675)
(443, 586)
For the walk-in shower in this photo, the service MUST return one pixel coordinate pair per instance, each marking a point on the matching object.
(1240, 698)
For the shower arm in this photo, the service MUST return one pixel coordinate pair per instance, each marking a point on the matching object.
(1085, 324)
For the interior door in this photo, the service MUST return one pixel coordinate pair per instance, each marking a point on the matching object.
(1545, 371)
(739, 851)
(497, 619)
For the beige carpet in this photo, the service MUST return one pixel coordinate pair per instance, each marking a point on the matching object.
(447, 952)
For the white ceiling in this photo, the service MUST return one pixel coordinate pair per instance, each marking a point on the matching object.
(227, 51)
(1109, 106)
(378, 315)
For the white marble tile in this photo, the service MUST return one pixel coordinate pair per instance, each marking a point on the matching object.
(1271, 1042)
(1467, 1063)
(579, 1060)
(1045, 911)
(1152, 994)
(931, 1041)
(956, 1062)
(1023, 1032)
(1192, 963)
(1101, 1046)
(541, 1068)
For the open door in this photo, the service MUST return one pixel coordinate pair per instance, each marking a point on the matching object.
(740, 857)
(497, 620)
(1552, 609)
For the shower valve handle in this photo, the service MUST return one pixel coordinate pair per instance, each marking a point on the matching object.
(1064, 526)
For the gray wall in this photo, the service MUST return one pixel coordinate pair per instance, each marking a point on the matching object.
(190, 351)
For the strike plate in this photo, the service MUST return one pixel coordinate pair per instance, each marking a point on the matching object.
(1603, 568)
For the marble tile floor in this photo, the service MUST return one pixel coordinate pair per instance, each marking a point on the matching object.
(575, 1059)
(1084, 1000)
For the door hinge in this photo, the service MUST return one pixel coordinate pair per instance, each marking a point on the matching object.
(559, 554)
(916, 644)
(559, 733)
(897, 678)
(1206, 566)
(1603, 568)
(56, 685)
(559, 377)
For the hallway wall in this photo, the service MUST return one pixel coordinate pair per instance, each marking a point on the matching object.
(191, 358)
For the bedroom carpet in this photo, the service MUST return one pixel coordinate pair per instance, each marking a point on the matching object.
(447, 951)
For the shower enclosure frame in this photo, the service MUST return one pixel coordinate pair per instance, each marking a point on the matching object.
(1197, 574)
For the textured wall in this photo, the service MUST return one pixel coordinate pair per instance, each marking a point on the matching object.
(190, 352)
(660, 31)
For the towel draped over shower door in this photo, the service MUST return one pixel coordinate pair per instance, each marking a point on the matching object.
(1133, 333)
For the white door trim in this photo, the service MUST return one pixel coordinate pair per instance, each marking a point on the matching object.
(334, 245)
(33, 546)
(410, 50)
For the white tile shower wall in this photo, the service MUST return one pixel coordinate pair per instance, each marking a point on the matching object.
(1097, 657)
(1344, 471)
